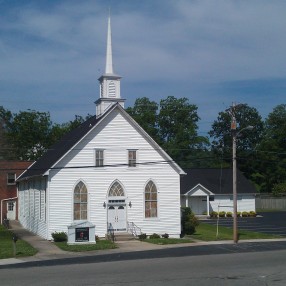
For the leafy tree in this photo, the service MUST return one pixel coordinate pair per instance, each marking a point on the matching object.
(28, 132)
(272, 150)
(145, 112)
(178, 125)
(247, 141)
(279, 189)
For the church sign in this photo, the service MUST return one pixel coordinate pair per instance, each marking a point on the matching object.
(82, 234)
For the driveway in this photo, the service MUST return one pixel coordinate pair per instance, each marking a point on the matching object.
(265, 222)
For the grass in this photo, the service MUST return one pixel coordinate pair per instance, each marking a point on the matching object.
(100, 245)
(163, 241)
(207, 232)
(7, 248)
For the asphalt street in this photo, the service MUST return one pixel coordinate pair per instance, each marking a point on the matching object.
(265, 222)
(233, 268)
(243, 247)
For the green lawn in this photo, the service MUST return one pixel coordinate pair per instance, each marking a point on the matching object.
(6, 245)
(207, 232)
(163, 241)
(100, 245)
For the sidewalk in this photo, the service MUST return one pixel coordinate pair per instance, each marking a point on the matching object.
(48, 251)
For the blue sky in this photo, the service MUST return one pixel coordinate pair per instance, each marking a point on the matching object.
(212, 52)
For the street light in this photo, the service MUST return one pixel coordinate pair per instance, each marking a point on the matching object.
(234, 178)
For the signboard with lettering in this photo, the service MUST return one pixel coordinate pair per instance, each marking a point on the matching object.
(82, 234)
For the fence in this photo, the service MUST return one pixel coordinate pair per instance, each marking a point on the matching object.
(268, 202)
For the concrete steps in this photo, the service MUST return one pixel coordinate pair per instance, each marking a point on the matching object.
(124, 236)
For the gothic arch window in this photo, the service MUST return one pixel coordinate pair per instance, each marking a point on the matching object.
(151, 200)
(80, 201)
(116, 190)
(111, 89)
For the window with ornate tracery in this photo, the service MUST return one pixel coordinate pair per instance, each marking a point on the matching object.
(116, 190)
(80, 201)
(151, 200)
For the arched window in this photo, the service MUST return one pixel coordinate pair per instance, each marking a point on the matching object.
(151, 203)
(80, 202)
(116, 190)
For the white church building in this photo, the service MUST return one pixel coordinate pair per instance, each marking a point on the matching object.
(108, 172)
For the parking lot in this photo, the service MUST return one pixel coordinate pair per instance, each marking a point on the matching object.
(265, 222)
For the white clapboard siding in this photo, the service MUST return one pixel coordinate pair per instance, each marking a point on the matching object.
(115, 135)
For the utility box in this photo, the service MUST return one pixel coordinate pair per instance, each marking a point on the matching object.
(81, 233)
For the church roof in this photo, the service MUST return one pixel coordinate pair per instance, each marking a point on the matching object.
(72, 138)
(217, 181)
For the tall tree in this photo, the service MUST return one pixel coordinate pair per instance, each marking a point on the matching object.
(247, 141)
(28, 132)
(272, 150)
(145, 113)
(178, 125)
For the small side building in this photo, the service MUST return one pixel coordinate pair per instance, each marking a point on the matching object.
(9, 171)
(207, 190)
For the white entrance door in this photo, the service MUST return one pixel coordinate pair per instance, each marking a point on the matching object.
(117, 217)
(198, 205)
(11, 210)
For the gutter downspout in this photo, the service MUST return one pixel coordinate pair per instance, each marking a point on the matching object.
(9, 199)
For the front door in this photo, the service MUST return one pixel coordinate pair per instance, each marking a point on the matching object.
(117, 217)
(11, 210)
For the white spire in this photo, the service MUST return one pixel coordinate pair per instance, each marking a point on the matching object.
(109, 65)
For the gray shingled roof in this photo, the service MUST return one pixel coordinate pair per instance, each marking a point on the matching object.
(59, 149)
(217, 181)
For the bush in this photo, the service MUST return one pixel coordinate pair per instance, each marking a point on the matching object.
(154, 236)
(142, 236)
(229, 214)
(59, 236)
(238, 214)
(252, 213)
(189, 228)
(165, 235)
(213, 214)
(221, 214)
(244, 214)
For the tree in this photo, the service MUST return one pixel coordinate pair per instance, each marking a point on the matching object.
(247, 141)
(178, 125)
(28, 132)
(144, 112)
(272, 150)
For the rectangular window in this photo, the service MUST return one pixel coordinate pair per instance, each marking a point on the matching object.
(11, 179)
(99, 162)
(132, 158)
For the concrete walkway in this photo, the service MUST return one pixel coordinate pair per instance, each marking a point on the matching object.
(47, 250)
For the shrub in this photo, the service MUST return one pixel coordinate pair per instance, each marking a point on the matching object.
(59, 236)
(229, 214)
(252, 213)
(213, 214)
(142, 236)
(189, 228)
(165, 235)
(244, 214)
(221, 214)
(154, 236)
(96, 238)
(238, 214)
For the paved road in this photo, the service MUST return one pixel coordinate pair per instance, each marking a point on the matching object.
(266, 222)
(235, 269)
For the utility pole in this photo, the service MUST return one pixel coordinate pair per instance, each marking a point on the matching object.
(234, 172)
(235, 134)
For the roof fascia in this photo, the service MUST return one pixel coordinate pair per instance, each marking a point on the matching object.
(100, 119)
(154, 144)
(208, 192)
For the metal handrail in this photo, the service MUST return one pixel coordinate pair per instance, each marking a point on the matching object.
(110, 232)
(133, 229)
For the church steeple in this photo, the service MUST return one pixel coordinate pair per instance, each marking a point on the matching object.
(108, 64)
(109, 81)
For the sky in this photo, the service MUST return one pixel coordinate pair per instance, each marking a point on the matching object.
(215, 53)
